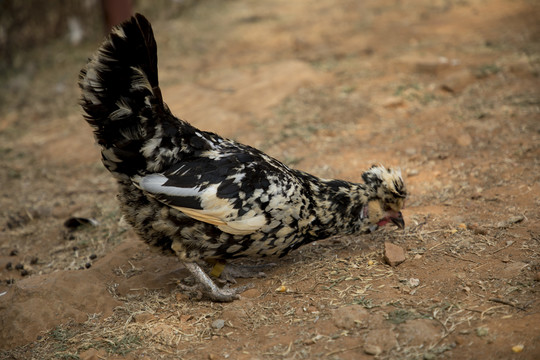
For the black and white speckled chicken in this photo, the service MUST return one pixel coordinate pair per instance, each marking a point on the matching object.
(203, 197)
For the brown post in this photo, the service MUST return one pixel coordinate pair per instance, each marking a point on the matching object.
(117, 11)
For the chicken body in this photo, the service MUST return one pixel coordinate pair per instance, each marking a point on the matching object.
(204, 197)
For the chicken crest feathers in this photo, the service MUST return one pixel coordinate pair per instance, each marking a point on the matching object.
(387, 183)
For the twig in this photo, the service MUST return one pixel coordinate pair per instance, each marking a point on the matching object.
(475, 310)
(505, 247)
(489, 309)
(504, 302)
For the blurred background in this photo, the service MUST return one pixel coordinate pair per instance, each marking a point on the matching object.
(28, 24)
(446, 90)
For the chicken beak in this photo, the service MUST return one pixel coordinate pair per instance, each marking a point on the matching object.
(398, 220)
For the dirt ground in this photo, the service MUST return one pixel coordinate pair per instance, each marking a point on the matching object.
(446, 90)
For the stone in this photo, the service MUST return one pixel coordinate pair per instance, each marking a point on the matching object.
(218, 324)
(348, 317)
(379, 340)
(372, 349)
(393, 254)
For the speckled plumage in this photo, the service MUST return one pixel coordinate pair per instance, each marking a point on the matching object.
(202, 196)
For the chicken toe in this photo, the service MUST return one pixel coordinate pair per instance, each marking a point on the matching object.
(206, 288)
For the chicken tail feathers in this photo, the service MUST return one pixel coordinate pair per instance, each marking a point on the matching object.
(121, 97)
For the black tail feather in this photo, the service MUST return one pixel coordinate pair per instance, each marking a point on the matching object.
(121, 96)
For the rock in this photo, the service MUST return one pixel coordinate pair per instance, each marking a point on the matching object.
(348, 317)
(537, 276)
(379, 340)
(482, 331)
(393, 254)
(418, 332)
(510, 221)
(218, 324)
(233, 315)
(372, 349)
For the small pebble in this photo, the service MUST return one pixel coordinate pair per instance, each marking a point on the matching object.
(19, 266)
(75, 248)
(218, 324)
(510, 221)
(34, 261)
(24, 272)
(371, 349)
(9, 266)
(482, 331)
(393, 254)
(87, 265)
(14, 252)
(93, 257)
(10, 281)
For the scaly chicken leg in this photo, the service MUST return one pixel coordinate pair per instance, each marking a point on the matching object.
(207, 289)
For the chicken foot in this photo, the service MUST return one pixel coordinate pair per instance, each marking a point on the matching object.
(206, 288)
(234, 271)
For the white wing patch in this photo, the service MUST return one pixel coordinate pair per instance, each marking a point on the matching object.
(153, 184)
(215, 210)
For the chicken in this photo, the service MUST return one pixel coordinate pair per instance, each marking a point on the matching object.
(202, 197)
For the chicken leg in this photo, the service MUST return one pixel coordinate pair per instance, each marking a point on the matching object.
(206, 287)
